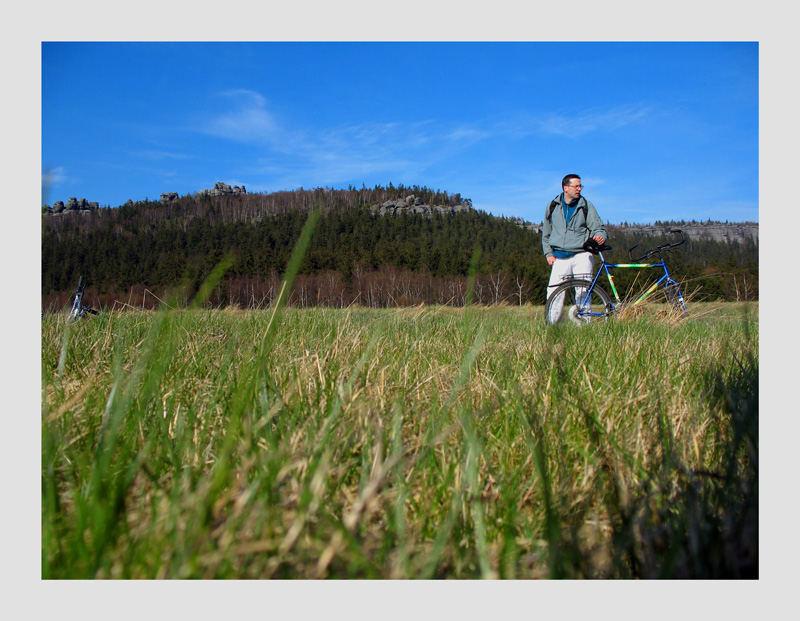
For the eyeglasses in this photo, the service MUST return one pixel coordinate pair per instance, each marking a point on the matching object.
(575, 186)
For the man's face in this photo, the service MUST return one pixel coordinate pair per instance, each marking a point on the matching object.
(572, 190)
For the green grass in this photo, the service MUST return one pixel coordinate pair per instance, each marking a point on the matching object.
(426, 442)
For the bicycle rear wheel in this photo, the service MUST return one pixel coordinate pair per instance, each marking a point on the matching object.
(675, 299)
(569, 303)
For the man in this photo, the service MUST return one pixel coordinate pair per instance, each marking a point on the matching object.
(570, 220)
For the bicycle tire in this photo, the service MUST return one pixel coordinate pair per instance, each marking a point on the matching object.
(597, 308)
(676, 300)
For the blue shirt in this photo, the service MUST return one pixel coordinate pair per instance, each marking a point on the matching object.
(569, 211)
(569, 208)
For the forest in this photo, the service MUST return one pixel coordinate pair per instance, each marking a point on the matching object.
(143, 253)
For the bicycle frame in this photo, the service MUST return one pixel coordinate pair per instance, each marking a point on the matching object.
(666, 279)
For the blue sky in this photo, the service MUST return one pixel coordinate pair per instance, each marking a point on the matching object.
(657, 130)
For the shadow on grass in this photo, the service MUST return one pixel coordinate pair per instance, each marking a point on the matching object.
(678, 522)
(704, 524)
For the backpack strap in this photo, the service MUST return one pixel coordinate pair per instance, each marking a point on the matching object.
(550, 209)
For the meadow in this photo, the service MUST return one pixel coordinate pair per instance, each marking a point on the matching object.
(424, 442)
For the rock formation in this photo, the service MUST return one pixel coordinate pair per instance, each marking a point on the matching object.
(414, 204)
(223, 189)
(715, 231)
(73, 204)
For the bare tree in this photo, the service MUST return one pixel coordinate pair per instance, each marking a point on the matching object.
(497, 281)
(521, 287)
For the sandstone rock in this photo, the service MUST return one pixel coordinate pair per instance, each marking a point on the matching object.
(73, 204)
(223, 189)
(715, 231)
(413, 204)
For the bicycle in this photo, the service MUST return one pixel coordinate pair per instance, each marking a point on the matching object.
(588, 301)
(79, 310)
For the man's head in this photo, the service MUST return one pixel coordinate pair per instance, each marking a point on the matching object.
(572, 187)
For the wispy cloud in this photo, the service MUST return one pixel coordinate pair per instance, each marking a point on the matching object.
(468, 134)
(157, 155)
(295, 155)
(593, 120)
(53, 176)
(247, 120)
(351, 151)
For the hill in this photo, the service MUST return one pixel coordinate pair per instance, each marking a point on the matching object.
(381, 246)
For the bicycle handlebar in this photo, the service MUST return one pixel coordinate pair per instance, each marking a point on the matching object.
(659, 249)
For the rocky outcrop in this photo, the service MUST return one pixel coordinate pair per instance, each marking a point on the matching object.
(168, 197)
(714, 231)
(73, 204)
(527, 225)
(223, 189)
(414, 204)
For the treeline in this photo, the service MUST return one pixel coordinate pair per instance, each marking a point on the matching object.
(142, 253)
(245, 207)
(710, 269)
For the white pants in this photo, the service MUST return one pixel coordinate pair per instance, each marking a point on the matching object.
(580, 265)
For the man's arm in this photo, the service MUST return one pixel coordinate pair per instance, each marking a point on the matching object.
(595, 224)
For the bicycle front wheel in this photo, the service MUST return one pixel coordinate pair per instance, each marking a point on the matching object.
(577, 302)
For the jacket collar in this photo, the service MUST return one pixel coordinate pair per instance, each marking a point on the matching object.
(560, 200)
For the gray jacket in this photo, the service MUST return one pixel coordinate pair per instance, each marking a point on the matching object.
(557, 234)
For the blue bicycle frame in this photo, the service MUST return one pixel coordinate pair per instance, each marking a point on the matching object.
(666, 280)
(673, 292)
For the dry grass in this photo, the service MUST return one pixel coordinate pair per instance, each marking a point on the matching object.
(419, 442)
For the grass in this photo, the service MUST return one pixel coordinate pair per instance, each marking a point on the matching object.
(426, 442)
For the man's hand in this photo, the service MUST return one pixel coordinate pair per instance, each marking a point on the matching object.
(599, 238)
(550, 259)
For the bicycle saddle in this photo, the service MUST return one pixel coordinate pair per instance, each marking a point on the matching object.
(592, 246)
